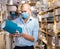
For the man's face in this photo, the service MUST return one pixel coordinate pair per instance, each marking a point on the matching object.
(25, 8)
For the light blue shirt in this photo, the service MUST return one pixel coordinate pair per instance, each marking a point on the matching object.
(31, 27)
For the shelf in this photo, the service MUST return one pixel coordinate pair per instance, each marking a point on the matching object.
(46, 32)
(44, 22)
(47, 21)
(50, 34)
(57, 15)
(50, 21)
(32, 3)
(43, 40)
(42, 30)
(49, 10)
(49, 28)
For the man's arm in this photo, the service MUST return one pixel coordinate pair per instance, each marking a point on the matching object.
(13, 35)
(28, 37)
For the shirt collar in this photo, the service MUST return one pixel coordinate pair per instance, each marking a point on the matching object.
(30, 19)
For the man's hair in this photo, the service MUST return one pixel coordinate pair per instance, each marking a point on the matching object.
(26, 4)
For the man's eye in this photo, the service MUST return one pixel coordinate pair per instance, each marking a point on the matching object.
(23, 11)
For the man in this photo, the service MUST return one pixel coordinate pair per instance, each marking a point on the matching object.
(30, 27)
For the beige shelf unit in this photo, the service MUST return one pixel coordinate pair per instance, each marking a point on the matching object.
(48, 29)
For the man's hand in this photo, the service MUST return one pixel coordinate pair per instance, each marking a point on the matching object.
(14, 35)
(28, 37)
(11, 36)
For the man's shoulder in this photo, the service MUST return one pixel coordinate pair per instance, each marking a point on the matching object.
(17, 19)
(34, 19)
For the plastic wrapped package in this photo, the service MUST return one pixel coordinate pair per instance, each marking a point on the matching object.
(11, 27)
(57, 11)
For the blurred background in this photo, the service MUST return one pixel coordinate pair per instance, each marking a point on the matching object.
(46, 11)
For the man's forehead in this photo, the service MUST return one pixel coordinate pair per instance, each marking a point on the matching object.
(25, 6)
